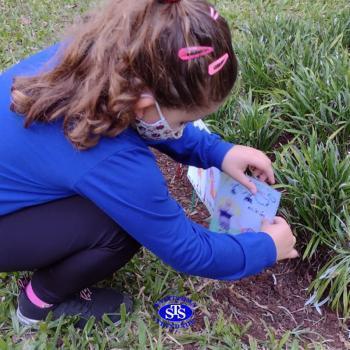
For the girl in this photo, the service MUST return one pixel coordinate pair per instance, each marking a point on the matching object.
(80, 191)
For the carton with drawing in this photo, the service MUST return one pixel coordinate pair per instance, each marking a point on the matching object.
(233, 208)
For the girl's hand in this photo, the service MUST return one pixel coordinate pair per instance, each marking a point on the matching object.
(239, 158)
(282, 236)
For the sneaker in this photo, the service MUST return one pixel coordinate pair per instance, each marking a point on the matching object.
(89, 302)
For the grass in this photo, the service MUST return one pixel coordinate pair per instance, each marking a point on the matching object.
(147, 280)
(295, 70)
(290, 52)
(248, 121)
(316, 179)
(297, 64)
(27, 26)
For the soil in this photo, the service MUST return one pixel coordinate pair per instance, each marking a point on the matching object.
(274, 298)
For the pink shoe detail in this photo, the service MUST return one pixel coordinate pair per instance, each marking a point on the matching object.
(34, 298)
(86, 294)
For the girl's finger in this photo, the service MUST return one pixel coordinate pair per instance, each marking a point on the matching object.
(257, 173)
(252, 168)
(279, 220)
(268, 171)
(263, 177)
(245, 181)
(293, 254)
(260, 175)
(264, 164)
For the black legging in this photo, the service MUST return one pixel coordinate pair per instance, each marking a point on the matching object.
(70, 244)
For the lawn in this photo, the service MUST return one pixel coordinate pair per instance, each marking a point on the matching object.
(292, 101)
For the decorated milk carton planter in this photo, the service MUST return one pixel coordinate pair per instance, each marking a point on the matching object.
(233, 208)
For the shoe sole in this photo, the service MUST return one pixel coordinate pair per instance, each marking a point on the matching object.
(25, 321)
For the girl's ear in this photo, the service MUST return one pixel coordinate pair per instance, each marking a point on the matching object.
(142, 104)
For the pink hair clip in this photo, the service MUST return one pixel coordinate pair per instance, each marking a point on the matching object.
(217, 65)
(193, 52)
(214, 14)
(190, 53)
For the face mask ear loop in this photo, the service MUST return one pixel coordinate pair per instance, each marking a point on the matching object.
(157, 105)
(147, 95)
(160, 113)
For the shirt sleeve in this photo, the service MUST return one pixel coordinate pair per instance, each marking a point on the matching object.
(196, 147)
(130, 188)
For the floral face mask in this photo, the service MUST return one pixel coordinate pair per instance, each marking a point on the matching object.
(160, 130)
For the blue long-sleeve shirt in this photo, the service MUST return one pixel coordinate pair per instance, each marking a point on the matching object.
(120, 175)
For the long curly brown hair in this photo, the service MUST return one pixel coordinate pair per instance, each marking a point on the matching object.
(116, 52)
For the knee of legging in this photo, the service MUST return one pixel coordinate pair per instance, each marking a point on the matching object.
(122, 241)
